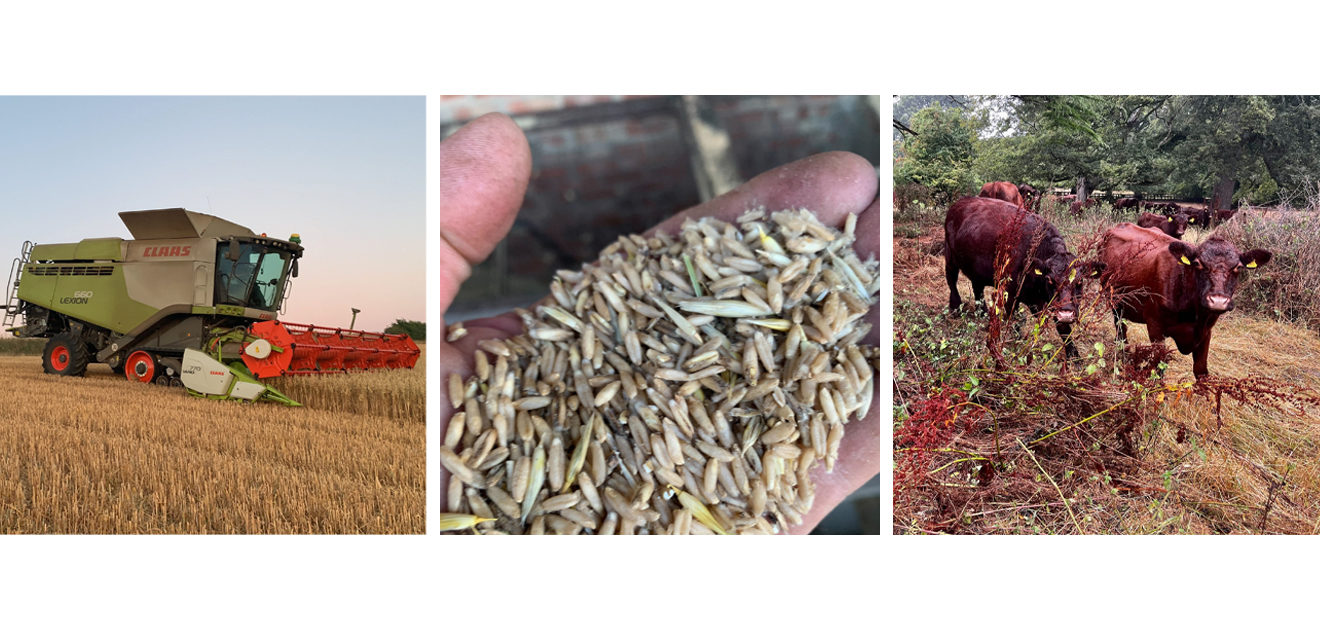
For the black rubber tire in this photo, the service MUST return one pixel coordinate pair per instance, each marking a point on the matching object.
(65, 355)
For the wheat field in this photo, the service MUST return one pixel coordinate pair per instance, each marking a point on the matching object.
(100, 455)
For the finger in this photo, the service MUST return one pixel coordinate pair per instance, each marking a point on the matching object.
(484, 169)
(868, 231)
(868, 244)
(830, 184)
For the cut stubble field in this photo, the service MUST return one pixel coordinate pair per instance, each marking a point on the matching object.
(100, 455)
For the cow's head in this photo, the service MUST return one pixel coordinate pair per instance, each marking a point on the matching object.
(1062, 276)
(1179, 224)
(1217, 265)
(1028, 193)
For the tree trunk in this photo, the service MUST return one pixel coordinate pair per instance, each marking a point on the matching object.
(1223, 199)
(1082, 193)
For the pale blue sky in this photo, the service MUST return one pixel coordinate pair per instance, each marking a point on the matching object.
(347, 173)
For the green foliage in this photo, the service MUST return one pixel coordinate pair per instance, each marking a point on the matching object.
(414, 329)
(940, 156)
(10, 346)
(1259, 148)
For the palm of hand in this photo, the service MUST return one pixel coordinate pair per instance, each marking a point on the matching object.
(484, 172)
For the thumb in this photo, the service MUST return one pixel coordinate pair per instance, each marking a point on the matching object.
(484, 168)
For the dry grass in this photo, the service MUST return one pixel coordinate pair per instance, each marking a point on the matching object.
(1165, 463)
(99, 455)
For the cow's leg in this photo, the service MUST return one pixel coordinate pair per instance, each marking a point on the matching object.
(1201, 356)
(1155, 332)
(951, 275)
(1065, 333)
(978, 297)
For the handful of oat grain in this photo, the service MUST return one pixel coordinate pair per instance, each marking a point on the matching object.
(678, 385)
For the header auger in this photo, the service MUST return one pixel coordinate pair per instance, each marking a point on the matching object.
(191, 301)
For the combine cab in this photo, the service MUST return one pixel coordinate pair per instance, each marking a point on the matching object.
(191, 292)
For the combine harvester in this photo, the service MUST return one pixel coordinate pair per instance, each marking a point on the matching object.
(191, 301)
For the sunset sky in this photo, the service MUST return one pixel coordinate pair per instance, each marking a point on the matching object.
(346, 173)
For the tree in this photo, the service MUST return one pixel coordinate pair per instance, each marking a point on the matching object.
(940, 155)
(1220, 147)
(905, 107)
(1290, 150)
(1064, 143)
(1220, 138)
(414, 329)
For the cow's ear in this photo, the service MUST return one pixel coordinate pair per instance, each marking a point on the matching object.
(1255, 258)
(1182, 252)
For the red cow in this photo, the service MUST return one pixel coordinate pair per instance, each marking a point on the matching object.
(1077, 206)
(1224, 215)
(1198, 217)
(1052, 278)
(1174, 226)
(1006, 191)
(1127, 203)
(1176, 289)
(1030, 196)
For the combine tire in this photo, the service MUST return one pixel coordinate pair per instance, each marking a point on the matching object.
(66, 355)
(141, 366)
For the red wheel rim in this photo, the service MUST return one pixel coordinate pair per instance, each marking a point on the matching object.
(59, 358)
(140, 367)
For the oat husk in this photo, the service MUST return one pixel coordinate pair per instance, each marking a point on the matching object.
(681, 384)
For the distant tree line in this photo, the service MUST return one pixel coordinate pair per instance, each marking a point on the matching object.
(1222, 148)
(412, 328)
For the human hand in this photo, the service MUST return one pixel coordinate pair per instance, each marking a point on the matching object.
(484, 170)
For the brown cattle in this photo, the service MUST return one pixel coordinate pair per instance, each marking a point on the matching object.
(1051, 279)
(1127, 203)
(1160, 206)
(1174, 226)
(1198, 217)
(1006, 191)
(1224, 215)
(1030, 196)
(1077, 206)
(1176, 289)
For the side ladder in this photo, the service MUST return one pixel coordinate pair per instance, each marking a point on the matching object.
(11, 306)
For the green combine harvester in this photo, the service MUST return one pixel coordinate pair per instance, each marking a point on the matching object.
(191, 300)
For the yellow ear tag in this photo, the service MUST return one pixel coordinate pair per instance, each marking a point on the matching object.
(1189, 220)
(1251, 265)
(1072, 275)
(1185, 261)
(1170, 219)
(1038, 272)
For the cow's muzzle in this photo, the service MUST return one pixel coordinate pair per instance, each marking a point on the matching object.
(1219, 302)
(1065, 316)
